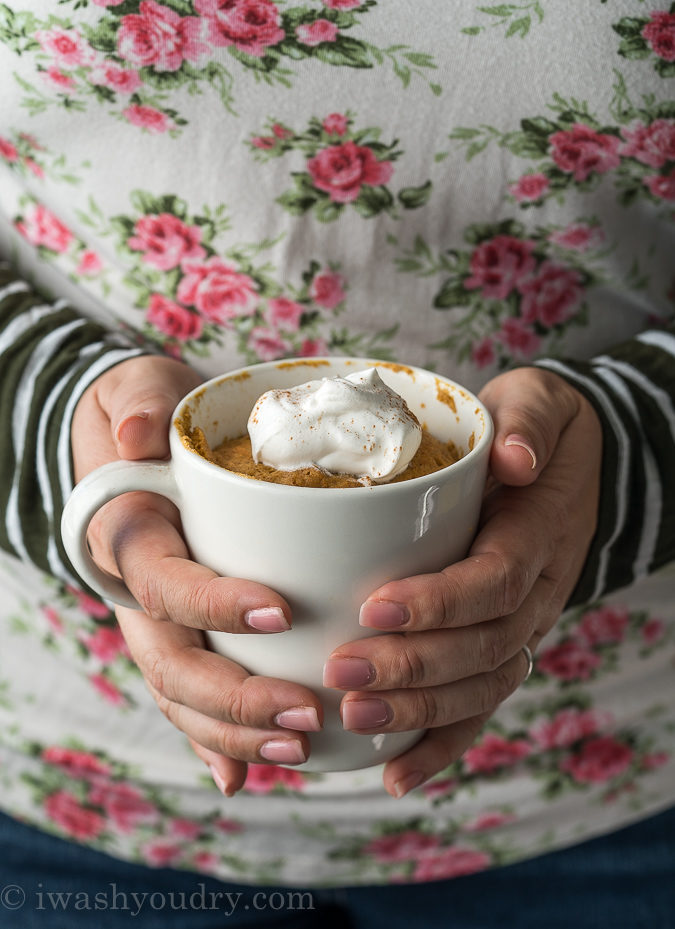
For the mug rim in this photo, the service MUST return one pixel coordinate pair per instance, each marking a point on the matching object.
(430, 479)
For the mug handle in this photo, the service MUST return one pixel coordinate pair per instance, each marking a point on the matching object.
(89, 495)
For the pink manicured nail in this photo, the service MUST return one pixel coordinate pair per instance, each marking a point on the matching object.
(383, 614)
(405, 784)
(267, 619)
(348, 673)
(302, 718)
(522, 443)
(131, 426)
(283, 751)
(219, 781)
(365, 714)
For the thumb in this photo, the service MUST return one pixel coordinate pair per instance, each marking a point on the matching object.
(530, 407)
(140, 402)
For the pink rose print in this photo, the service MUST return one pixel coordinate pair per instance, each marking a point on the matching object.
(125, 806)
(652, 145)
(107, 690)
(90, 605)
(121, 80)
(451, 862)
(8, 151)
(172, 319)
(342, 4)
(147, 117)
(160, 38)
(341, 170)
(251, 26)
(520, 339)
(578, 237)
(335, 124)
(58, 79)
(581, 151)
(486, 821)
(401, 846)
(74, 819)
(166, 241)
(217, 289)
(107, 2)
(40, 227)
(321, 30)
(78, 763)
(442, 788)
(598, 761)
(54, 621)
(67, 47)
(90, 264)
(263, 778)
(603, 626)
(567, 727)
(161, 854)
(313, 348)
(327, 289)
(107, 644)
(653, 631)
(284, 313)
(530, 187)
(552, 295)
(483, 352)
(494, 752)
(267, 344)
(654, 761)
(661, 186)
(569, 661)
(185, 828)
(500, 264)
(659, 33)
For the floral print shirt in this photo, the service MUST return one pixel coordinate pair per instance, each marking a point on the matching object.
(461, 186)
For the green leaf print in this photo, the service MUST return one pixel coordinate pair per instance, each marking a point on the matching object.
(515, 18)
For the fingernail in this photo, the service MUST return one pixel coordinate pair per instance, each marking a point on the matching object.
(219, 781)
(366, 714)
(383, 614)
(267, 619)
(302, 718)
(405, 784)
(348, 673)
(129, 428)
(520, 441)
(283, 751)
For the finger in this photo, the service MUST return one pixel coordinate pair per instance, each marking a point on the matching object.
(530, 408)
(505, 562)
(437, 749)
(435, 657)
(228, 774)
(151, 556)
(240, 743)
(433, 707)
(180, 670)
(140, 408)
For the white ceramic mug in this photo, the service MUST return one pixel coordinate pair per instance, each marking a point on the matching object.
(324, 549)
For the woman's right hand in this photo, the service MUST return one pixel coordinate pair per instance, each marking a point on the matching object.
(229, 716)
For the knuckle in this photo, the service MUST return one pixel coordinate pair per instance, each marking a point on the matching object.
(500, 684)
(156, 670)
(491, 646)
(428, 710)
(408, 667)
(513, 585)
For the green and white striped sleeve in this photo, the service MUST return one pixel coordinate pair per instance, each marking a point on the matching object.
(49, 355)
(632, 388)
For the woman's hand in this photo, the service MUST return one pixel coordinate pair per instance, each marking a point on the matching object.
(458, 653)
(224, 711)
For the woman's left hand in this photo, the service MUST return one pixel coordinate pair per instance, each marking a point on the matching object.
(459, 649)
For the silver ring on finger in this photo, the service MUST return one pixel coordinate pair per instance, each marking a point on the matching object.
(530, 662)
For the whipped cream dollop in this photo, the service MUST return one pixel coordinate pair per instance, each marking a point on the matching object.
(354, 425)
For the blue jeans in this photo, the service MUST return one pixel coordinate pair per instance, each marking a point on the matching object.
(623, 881)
